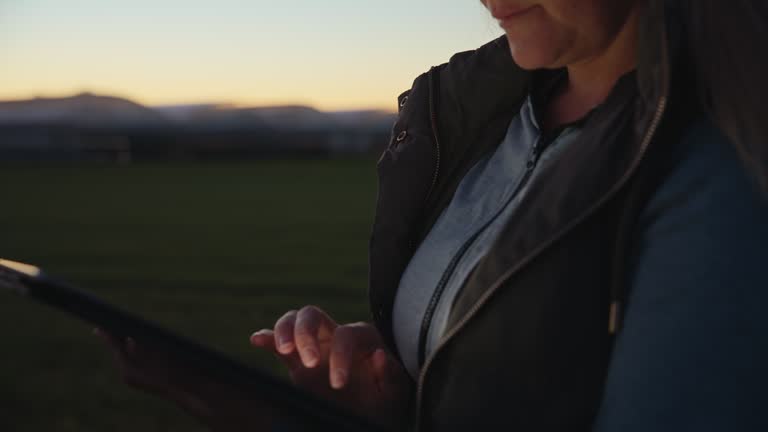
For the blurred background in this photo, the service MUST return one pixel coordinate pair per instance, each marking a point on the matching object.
(207, 164)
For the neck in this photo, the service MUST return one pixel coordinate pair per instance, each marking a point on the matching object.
(591, 80)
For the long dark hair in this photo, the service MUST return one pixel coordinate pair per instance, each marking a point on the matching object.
(728, 42)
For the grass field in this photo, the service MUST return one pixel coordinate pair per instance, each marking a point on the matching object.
(214, 251)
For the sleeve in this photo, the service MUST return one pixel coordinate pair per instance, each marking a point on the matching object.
(693, 351)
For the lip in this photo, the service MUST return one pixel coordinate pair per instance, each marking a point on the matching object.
(506, 15)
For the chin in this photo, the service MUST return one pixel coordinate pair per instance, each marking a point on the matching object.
(533, 55)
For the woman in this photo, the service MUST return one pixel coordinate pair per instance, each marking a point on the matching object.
(570, 237)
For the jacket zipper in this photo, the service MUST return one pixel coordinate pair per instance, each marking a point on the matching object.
(659, 113)
(544, 140)
(433, 82)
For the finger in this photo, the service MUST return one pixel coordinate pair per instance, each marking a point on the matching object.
(115, 346)
(351, 344)
(311, 324)
(379, 363)
(124, 350)
(192, 404)
(119, 353)
(151, 371)
(130, 346)
(264, 338)
(124, 353)
(284, 332)
(106, 337)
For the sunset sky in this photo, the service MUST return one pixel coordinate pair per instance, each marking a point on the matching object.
(331, 54)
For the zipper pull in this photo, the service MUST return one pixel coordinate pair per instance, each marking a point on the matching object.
(614, 317)
(545, 139)
(535, 154)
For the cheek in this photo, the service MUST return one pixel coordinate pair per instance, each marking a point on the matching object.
(539, 40)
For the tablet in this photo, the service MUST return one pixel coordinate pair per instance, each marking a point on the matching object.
(307, 411)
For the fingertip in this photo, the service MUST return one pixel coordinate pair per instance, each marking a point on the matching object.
(260, 337)
(338, 378)
(104, 336)
(379, 359)
(380, 356)
(309, 357)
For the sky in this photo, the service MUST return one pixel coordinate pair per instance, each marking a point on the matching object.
(330, 54)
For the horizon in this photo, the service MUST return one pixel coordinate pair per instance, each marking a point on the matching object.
(199, 104)
(341, 55)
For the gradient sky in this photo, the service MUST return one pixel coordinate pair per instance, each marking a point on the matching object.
(331, 54)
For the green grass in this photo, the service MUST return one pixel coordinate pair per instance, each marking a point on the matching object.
(214, 251)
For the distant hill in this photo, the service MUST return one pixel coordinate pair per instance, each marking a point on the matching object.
(85, 109)
(294, 117)
(106, 128)
(91, 110)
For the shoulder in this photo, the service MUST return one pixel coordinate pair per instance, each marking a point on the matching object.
(487, 68)
(704, 172)
(494, 55)
(485, 57)
(691, 347)
(701, 241)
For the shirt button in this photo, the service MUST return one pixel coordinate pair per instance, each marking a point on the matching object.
(530, 164)
(401, 136)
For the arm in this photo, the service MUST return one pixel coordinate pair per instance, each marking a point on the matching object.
(693, 352)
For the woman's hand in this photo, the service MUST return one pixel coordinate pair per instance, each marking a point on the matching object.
(347, 364)
(220, 407)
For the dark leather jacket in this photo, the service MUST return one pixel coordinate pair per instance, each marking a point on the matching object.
(530, 335)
